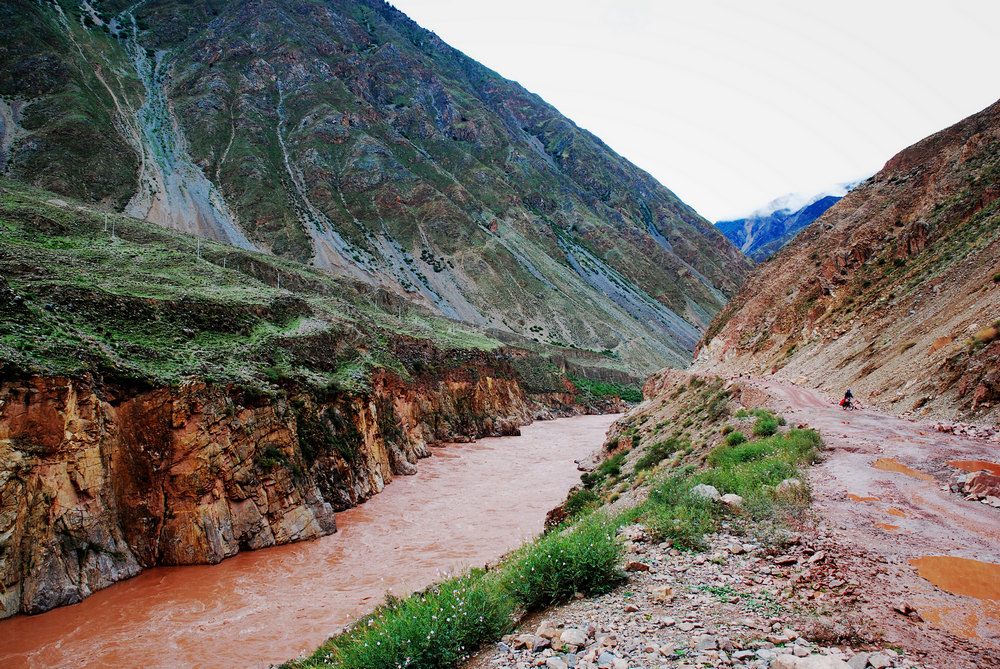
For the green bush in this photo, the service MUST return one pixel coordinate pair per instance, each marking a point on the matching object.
(610, 468)
(584, 558)
(765, 426)
(439, 628)
(735, 438)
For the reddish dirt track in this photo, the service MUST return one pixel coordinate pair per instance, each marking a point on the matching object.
(883, 489)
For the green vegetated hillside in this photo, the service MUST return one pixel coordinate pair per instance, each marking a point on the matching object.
(343, 135)
(83, 293)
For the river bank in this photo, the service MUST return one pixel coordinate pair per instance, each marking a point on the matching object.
(467, 504)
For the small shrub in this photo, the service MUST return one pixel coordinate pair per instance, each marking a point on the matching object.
(584, 558)
(727, 429)
(765, 426)
(735, 438)
(986, 335)
(996, 278)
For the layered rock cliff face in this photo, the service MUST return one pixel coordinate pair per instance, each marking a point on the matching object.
(894, 291)
(98, 482)
(341, 133)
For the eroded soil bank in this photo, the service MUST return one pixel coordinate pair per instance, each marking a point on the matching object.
(467, 504)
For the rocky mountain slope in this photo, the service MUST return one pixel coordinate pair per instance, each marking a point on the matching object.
(766, 230)
(341, 133)
(170, 400)
(892, 292)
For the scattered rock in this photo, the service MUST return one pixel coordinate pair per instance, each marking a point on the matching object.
(636, 566)
(859, 661)
(574, 637)
(705, 491)
(732, 501)
(808, 662)
(906, 609)
(879, 661)
(662, 593)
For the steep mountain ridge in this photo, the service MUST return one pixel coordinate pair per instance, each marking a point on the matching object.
(892, 292)
(762, 233)
(343, 134)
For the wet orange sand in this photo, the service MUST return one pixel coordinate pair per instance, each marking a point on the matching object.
(976, 465)
(892, 465)
(856, 498)
(887, 527)
(961, 576)
(898, 513)
(957, 620)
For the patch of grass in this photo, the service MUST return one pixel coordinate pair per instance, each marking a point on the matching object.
(765, 426)
(580, 502)
(438, 628)
(749, 469)
(656, 453)
(673, 513)
(599, 389)
(443, 626)
(610, 468)
(584, 558)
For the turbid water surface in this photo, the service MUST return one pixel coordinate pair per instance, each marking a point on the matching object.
(468, 504)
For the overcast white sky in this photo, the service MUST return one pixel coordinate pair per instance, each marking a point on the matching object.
(730, 103)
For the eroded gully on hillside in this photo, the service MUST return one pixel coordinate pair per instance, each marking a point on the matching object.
(467, 505)
(883, 488)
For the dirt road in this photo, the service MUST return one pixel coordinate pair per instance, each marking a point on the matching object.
(883, 489)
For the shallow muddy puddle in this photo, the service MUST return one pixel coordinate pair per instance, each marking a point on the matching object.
(467, 504)
(976, 466)
(893, 465)
(969, 578)
(961, 576)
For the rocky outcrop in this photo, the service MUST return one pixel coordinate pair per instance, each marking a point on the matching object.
(100, 482)
(892, 292)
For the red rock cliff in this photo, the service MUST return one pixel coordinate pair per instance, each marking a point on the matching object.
(98, 483)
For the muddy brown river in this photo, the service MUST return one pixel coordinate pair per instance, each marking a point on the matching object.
(468, 504)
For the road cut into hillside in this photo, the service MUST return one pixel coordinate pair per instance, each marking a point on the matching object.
(928, 557)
